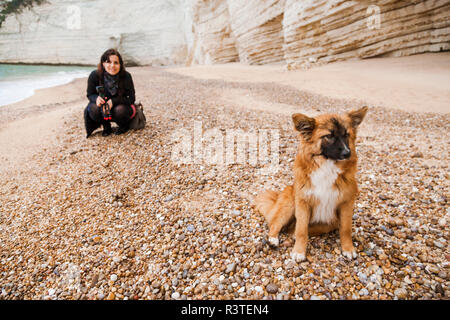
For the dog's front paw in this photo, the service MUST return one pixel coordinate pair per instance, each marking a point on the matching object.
(350, 254)
(273, 242)
(298, 257)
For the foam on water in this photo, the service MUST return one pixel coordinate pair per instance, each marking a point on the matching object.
(20, 82)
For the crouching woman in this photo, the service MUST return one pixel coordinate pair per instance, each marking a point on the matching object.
(115, 98)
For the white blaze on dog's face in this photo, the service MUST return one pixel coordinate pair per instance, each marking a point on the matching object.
(330, 136)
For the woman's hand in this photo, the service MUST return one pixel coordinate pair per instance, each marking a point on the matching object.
(100, 101)
(109, 102)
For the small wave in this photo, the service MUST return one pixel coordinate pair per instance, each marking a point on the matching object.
(18, 89)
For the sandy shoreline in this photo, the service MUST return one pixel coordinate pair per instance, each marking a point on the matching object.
(419, 83)
(118, 218)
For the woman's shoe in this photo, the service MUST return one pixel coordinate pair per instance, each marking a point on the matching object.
(107, 129)
(120, 131)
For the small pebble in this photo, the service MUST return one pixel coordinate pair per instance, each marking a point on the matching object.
(439, 289)
(363, 292)
(230, 268)
(439, 244)
(175, 296)
(401, 293)
(236, 212)
(272, 288)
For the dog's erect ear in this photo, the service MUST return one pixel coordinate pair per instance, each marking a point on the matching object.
(357, 116)
(304, 124)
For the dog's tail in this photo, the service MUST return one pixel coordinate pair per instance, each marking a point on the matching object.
(265, 202)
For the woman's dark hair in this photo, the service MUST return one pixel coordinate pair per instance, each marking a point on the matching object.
(101, 70)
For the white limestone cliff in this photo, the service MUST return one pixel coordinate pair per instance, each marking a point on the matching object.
(302, 33)
(210, 34)
(330, 30)
(78, 32)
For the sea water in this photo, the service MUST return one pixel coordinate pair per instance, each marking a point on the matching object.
(18, 82)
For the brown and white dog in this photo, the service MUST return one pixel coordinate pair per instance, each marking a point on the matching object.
(325, 188)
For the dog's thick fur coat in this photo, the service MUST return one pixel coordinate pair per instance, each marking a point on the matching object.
(325, 188)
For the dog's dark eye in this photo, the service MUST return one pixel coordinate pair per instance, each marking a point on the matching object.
(328, 137)
(346, 135)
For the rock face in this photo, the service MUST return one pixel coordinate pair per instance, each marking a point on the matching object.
(257, 26)
(78, 32)
(301, 33)
(211, 41)
(297, 33)
(325, 31)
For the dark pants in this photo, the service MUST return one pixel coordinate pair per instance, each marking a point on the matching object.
(93, 118)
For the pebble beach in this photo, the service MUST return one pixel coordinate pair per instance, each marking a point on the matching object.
(116, 218)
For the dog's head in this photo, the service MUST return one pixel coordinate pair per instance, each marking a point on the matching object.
(331, 136)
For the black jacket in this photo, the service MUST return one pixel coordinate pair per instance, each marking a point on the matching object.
(128, 96)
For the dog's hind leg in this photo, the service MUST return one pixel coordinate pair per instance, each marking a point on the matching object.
(281, 214)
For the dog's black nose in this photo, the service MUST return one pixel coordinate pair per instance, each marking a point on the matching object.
(345, 154)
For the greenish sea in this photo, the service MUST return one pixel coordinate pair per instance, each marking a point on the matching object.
(18, 82)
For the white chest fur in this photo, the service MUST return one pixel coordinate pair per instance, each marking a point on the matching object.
(322, 188)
